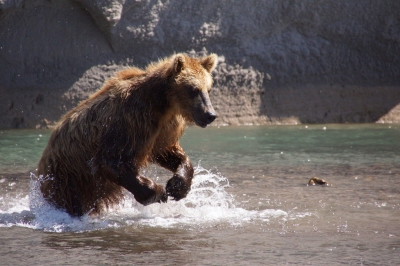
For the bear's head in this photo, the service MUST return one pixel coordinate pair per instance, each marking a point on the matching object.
(192, 82)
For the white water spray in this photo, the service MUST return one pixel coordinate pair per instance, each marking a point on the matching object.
(207, 204)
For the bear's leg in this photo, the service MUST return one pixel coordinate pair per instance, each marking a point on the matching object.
(124, 173)
(62, 195)
(146, 191)
(143, 189)
(176, 161)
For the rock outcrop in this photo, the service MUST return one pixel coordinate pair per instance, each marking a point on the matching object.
(281, 61)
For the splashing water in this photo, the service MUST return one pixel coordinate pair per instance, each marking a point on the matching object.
(207, 204)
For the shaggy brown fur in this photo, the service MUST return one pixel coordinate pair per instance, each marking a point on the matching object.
(135, 119)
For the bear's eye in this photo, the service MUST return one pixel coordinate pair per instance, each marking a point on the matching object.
(193, 91)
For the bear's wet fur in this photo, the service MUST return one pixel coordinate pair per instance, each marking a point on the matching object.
(136, 118)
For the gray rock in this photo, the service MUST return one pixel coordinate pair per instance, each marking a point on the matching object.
(281, 61)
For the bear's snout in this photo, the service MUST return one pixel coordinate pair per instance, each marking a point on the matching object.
(205, 119)
(204, 113)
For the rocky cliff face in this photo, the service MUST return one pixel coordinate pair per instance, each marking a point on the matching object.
(281, 61)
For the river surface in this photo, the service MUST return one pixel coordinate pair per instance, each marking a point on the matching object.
(249, 205)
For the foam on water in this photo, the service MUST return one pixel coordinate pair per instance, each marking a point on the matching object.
(207, 204)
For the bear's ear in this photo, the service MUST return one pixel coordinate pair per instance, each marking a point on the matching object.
(209, 62)
(179, 63)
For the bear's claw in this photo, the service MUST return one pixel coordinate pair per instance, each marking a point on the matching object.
(163, 198)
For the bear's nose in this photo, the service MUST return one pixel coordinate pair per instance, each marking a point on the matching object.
(210, 117)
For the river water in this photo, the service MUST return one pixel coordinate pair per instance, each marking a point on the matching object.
(249, 204)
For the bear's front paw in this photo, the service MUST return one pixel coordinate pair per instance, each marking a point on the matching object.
(178, 187)
(153, 195)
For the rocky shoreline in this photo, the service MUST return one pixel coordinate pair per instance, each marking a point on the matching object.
(281, 61)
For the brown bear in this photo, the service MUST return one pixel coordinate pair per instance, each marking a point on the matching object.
(136, 118)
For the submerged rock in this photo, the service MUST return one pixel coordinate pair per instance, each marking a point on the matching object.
(317, 181)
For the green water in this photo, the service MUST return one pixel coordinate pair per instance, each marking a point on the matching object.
(295, 145)
(20, 150)
(246, 146)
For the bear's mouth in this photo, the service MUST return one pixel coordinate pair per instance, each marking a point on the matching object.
(208, 118)
(200, 123)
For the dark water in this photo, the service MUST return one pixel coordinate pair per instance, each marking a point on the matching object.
(249, 204)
